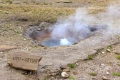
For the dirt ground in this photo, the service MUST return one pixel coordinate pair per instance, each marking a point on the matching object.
(95, 58)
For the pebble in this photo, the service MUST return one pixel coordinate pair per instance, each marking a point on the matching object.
(64, 74)
(104, 78)
(24, 39)
(102, 64)
(77, 64)
(107, 73)
(1, 52)
(103, 52)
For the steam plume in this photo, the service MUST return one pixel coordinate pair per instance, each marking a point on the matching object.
(75, 27)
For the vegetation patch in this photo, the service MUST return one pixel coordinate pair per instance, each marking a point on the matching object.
(34, 12)
(118, 57)
(109, 48)
(116, 74)
(72, 65)
(90, 57)
(71, 77)
(93, 74)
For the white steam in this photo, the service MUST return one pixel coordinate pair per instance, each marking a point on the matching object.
(64, 42)
(76, 26)
(72, 29)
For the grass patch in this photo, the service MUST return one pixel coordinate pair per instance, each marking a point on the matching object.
(36, 13)
(93, 74)
(118, 57)
(116, 74)
(109, 47)
(9, 1)
(71, 77)
(90, 57)
(71, 65)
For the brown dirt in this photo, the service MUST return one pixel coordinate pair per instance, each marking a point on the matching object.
(14, 22)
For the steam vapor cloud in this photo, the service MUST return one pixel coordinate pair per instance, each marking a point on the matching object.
(76, 26)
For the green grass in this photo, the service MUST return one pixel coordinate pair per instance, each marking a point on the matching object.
(109, 47)
(116, 74)
(90, 57)
(118, 57)
(93, 74)
(71, 77)
(71, 65)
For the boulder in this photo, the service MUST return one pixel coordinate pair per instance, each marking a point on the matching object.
(23, 60)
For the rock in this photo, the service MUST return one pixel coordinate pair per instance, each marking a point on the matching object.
(44, 25)
(66, 70)
(24, 60)
(54, 71)
(105, 78)
(107, 73)
(103, 52)
(6, 47)
(64, 75)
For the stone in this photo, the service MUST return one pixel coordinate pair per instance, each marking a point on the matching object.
(105, 78)
(23, 60)
(64, 74)
(67, 70)
(44, 25)
(6, 47)
(107, 73)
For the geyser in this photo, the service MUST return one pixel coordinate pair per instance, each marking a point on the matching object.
(46, 38)
(65, 32)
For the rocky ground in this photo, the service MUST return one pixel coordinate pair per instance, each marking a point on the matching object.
(95, 58)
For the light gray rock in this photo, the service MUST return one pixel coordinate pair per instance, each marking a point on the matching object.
(64, 74)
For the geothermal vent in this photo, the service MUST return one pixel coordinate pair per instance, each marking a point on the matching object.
(67, 31)
(62, 35)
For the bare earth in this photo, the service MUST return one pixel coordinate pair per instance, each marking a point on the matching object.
(103, 47)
